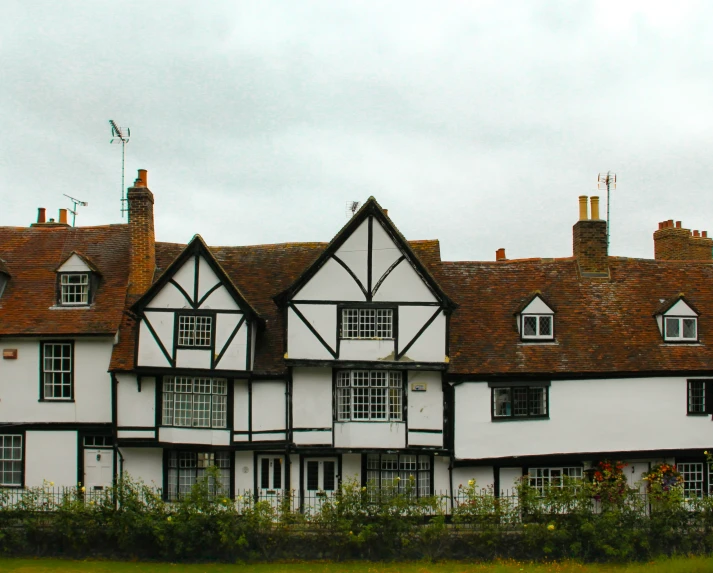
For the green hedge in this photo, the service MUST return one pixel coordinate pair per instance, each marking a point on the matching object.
(578, 521)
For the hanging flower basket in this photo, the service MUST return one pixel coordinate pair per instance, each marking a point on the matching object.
(663, 476)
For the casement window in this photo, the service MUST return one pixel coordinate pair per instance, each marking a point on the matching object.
(699, 397)
(680, 329)
(11, 460)
(195, 402)
(367, 323)
(519, 401)
(369, 395)
(195, 331)
(402, 473)
(73, 289)
(544, 478)
(697, 478)
(57, 362)
(186, 468)
(537, 326)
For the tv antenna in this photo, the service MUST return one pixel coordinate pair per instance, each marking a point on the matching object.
(75, 204)
(607, 181)
(351, 208)
(121, 135)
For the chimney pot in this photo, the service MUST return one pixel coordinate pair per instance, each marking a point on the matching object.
(500, 255)
(583, 216)
(41, 215)
(386, 212)
(670, 222)
(660, 225)
(696, 233)
(595, 207)
(678, 224)
(63, 216)
(704, 234)
(144, 178)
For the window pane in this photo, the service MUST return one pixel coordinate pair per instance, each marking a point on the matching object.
(696, 396)
(186, 328)
(692, 479)
(672, 328)
(530, 326)
(75, 289)
(538, 402)
(57, 376)
(350, 323)
(367, 323)
(501, 402)
(519, 400)
(689, 328)
(384, 318)
(312, 475)
(545, 326)
(265, 473)
(277, 473)
(203, 330)
(10, 460)
(329, 475)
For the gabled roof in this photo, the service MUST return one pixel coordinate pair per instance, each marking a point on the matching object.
(92, 267)
(667, 304)
(602, 326)
(371, 207)
(28, 305)
(197, 247)
(528, 299)
(262, 271)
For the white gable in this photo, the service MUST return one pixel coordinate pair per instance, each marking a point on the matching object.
(537, 306)
(74, 264)
(331, 282)
(680, 309)
(355, 252)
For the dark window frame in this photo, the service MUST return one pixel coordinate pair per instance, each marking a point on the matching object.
(707, 398)
(22, 459)
(399, 455)
(169, 455)
(544, 386)
(195, 313)
(72, 357)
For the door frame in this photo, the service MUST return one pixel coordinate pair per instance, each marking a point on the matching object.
(304, 457)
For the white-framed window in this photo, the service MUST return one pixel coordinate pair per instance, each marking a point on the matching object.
(194, 330)
(271, 471)
(693, 478)
(57, 373)
(186, 468)
(11, 460)
(368, 323)
(680, 329)
(74, 289)
(369, 395)
(520, 402)
(543, 478)
(402, 473)
(537, 326)
(195, 402)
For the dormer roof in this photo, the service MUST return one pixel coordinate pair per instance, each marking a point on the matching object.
(668, 305)
(77, 262)
(534, 303)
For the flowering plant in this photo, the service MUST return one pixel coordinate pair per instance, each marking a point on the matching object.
(608, 480)
(663, 475)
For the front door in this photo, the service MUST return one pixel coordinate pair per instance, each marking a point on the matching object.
(98, 470)
(319, 481)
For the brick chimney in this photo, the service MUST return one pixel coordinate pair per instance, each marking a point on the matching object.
(676, 243)
(589, 240)
(143, 241)
(500, 255)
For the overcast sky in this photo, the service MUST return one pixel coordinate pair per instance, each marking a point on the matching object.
(476, 123)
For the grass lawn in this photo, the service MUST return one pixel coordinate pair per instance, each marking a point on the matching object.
(689, 565)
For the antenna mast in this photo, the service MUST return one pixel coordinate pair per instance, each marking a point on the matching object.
(121, 135)
(73, 210)
(607, 180)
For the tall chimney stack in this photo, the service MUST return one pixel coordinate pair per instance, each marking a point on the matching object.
(143, 240)
(41, 214)
(500, 255)
(589, 241)
(676, 243)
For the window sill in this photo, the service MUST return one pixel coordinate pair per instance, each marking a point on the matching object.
(370, 421)
(538, 342)
(519, 418)
(70, 306)
(57, 400)
(681, 342)
(697, 414)
(378, 339)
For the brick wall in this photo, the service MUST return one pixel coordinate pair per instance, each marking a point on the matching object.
(675, 243)
(589, 245)
(143, 240)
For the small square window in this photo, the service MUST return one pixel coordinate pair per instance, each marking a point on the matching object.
(74, 289)
(367, 323)
(537, 327)
(195, 330)
(680, 329)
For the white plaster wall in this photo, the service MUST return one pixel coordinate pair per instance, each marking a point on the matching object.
(366, 350)
(403, 283)
(207, 279)
(301, 343)
(162, 323)
(145, 464)
(431, 345)
(268, 406)
(312, 398)
(483, 477)
(186, 276)
(424, 439)
(150, 353)
(680, 309)
(20, 384)
(235, 357)
(331, 282)
(74, 265)
(312, 438)
(351, 467)
(323, 318)
(294, 467)
(244, 480)
(194, 436)
(509, 480)
(135, 408)
(369, 435)
(169, 297)
(384, 253)
(585, 416)
(354, 252)
(220, 299)
(441, 476)
(537, 306)
(425, 409)
(225, 323)
(240, 405)
(190, 358)
(51, 456)
(133, 434)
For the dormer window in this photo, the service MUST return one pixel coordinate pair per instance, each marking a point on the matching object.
(677, 320)
(74, 288)
(535, 319)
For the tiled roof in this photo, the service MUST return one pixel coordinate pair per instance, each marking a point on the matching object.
(601, 325)
(261, 272)
(32, 255)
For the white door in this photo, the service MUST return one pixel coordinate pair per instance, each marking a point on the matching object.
(319, 482)
(270, 475)
(98, 470)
